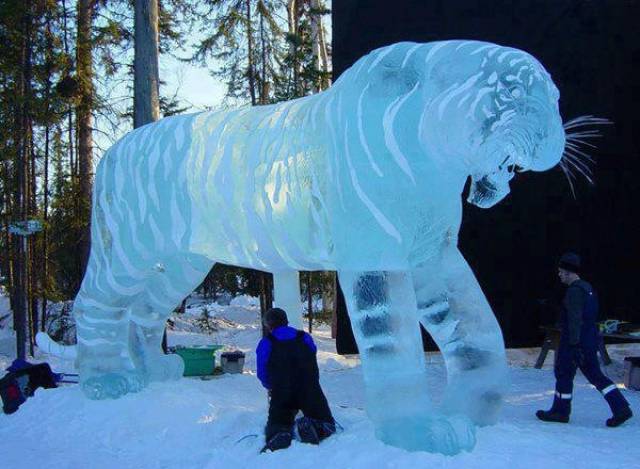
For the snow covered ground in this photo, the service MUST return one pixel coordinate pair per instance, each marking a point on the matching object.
(217, 423)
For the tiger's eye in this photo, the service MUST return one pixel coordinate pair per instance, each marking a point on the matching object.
(516, 92)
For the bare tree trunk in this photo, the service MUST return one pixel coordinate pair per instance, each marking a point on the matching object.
(319, 44)
(293, 17)
(264, 85)
(309, 302)
(23, 153)
(146, 78)
(9, 203)
(70, 108)
(334, 306)
(266, 297)
(84, 49)
(324, 62)
(328, 292)
(45, 182)
(45, 237)
(7, 212)
(315, 23)
(27, 167)
(7, 258)
(146, 81)
(32, 275)
(72, 139)
(250, 64)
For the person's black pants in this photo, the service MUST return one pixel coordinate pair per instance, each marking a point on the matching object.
(285, 404)
(565, 371)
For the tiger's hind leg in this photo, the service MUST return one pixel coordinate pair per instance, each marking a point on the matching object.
(453, 309)
(382, 309)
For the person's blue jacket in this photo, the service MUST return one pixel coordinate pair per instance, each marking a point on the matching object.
(263, 351)
(580, 313)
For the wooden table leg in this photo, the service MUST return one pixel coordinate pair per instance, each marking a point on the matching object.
(602, 348)
(544, 350)
(551, 342)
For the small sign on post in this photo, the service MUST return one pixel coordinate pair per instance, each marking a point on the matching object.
(25, 229)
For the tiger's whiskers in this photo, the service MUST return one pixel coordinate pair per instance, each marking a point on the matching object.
(575, 158)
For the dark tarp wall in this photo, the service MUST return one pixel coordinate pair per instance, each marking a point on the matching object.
(592, 50)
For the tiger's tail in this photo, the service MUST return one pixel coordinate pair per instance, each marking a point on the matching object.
(49, 346)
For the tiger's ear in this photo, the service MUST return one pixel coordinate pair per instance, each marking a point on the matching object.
(444, 71)
(393, 82)
(393, 75)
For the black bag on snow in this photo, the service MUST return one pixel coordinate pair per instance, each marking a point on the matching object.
(21, 382)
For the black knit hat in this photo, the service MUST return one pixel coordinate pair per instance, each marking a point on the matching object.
(275, 317)
(570, 261)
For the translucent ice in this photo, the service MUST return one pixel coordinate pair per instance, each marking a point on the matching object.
(364, 178)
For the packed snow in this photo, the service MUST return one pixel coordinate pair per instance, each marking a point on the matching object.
(217, 422)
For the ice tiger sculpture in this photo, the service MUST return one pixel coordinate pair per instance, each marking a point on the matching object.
(365, 179)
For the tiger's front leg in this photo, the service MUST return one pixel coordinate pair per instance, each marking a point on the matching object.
(382, 308)
(105, 368)
(119, 335)
(455, 312)
(173, 280)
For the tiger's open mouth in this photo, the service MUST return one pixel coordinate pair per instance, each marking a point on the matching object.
(485, 187)
(485, 193)
(489, 189)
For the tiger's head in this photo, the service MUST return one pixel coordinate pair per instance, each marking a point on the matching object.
(481, 110)
(492, 111)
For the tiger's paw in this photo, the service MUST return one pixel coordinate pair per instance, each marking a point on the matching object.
(112, 385)
(482, 406)
(437, 434)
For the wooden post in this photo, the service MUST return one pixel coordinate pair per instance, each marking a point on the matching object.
(309, 302)
(334, 305)
(266, 297)
(146, 94)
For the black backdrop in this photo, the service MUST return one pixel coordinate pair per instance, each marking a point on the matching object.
(592, 50)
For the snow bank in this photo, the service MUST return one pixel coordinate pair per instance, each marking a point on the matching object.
(217, 423)
(245, 301)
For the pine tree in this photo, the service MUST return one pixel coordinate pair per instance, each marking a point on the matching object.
(111, 45)
(245, 39)
(306, 67)
(49, 95)
(28, 69)
(86, 93)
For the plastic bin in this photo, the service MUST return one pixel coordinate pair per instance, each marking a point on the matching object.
(632, 373)
(232, 362)
(198, 361)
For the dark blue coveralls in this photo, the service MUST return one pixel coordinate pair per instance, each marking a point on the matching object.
(578, 349)
(287, 367)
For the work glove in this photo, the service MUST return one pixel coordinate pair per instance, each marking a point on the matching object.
(577, 356)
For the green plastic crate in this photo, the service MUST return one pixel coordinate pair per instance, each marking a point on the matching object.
(198, 361)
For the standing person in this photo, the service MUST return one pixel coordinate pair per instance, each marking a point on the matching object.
(288, 369)
(578, 348)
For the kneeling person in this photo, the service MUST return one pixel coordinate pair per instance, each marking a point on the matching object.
(288, 369)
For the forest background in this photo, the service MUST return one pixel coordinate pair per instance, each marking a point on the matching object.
(77, 75)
